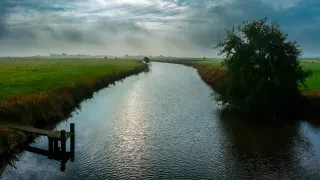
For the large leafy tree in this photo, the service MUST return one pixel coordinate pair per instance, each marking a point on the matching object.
(264, 72)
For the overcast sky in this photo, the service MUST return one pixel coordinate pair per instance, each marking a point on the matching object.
(149, 27)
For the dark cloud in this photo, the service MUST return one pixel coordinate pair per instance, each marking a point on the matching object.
(301, 21)
(3, 5)
(187, 27)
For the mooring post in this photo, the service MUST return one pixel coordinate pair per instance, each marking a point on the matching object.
(72, 140)
(50, 146)
(63, 165)
(63, 141)
(55, 145)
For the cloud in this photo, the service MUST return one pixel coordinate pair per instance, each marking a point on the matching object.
(299, 19)
(283, 4)
(167, 27)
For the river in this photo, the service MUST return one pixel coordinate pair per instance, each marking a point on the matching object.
(165, 124)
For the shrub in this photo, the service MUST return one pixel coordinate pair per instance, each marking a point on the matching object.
(146, 59)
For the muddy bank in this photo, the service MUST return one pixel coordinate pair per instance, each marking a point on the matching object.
(46, 109)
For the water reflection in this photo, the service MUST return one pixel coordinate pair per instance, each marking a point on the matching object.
(164, 125)
(131, 152)
(261, 150)
(62, 157)
(56, 148)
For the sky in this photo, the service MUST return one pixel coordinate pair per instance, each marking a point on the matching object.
(184, 28)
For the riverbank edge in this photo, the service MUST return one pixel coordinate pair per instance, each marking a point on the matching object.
(214, 77)
(211, 75)
(45, 110)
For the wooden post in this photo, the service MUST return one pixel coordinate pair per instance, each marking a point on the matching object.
(55, 145)
(72, 141)
(50, 146)
(63, 165)
(63, 141)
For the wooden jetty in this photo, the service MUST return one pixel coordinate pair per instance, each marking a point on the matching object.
(48, 133)
(54, 151)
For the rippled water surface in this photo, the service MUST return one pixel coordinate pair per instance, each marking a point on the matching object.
(165, 124)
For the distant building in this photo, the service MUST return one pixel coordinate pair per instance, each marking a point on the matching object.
(64, 54)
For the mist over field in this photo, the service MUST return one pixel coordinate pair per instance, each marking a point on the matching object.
(150, 27)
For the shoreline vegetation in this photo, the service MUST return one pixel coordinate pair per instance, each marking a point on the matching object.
(212, 73)
(42, 93)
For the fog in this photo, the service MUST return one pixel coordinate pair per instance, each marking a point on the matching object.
(151, 27)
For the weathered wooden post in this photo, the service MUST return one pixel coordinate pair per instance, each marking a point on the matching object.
(63, 141)
(63, 165)
(72, 140)
(55, 145)
(50, 146)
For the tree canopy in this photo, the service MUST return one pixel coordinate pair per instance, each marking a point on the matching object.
(264, 72)
(146, 59)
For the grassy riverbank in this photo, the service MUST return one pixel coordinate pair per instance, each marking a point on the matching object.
(43, 92)
(213, 66)
(27, 77)
(213, 74)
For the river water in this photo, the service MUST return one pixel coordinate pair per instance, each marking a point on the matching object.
(164, 124)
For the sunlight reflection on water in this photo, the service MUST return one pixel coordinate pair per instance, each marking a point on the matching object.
(165, 125)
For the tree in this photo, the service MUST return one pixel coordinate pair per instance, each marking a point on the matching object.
(146, 59)
(263, 70)
(105, 57)
(204, 58)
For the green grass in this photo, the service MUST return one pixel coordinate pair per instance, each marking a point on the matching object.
(314, 65)
(313, 82)
(207, 62)
(20, 77)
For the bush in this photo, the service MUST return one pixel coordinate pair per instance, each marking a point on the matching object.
(146, 59)
(264, 72)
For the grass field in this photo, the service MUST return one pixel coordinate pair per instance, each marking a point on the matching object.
(44, 92)
(20, 77)
(215, 63)
(312, 82)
